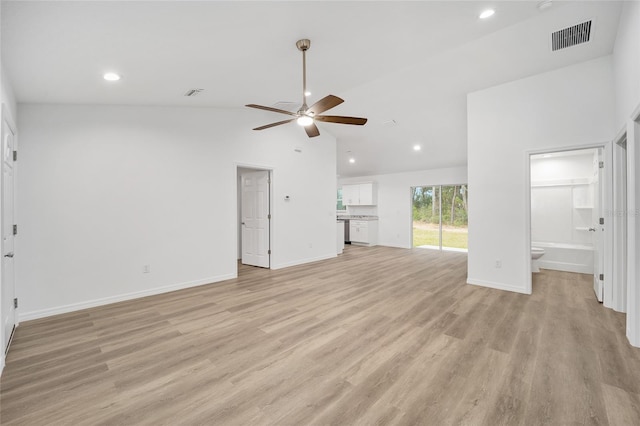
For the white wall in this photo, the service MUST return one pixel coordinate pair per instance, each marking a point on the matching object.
(626, 60)
(394, 200)
(569, 107)
(560, 168)
(562, 187)
(626, 63)
(105, 190)
(8, 98)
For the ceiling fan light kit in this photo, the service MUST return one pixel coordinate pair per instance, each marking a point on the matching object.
(307, 116)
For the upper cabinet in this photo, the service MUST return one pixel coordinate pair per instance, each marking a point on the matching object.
(350, 195)
(360, 194)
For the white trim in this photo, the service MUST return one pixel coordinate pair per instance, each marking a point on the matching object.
(303, 261)
(615, 296)
(633, 242)
(527, 204)
(122, 297)
(272, 208)
(6, 117)
(566, 266)
(498, 286)
(607, 198)
(528, 278)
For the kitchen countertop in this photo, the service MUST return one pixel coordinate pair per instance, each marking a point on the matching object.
(357, 217)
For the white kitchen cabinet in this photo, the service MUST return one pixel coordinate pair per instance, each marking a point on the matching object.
(350, 195)
(359, 194)
(363, 232)
(366, 194)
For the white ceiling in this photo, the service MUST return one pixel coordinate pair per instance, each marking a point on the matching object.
(412, 62)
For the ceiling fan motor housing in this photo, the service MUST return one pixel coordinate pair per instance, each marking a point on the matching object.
(303, 44)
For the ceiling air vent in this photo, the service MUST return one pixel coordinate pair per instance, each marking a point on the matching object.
(193, 92)
(571, 36)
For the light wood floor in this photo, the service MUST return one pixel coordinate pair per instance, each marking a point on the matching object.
(376, 336)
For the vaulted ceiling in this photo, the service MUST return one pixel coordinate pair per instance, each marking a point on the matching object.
(407, 66)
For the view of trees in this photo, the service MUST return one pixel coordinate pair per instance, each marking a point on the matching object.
(426, 203)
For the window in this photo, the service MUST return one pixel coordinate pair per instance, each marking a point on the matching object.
(339, 205)
(440, 217)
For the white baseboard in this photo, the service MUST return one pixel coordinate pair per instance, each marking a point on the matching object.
(497, 286)
(566, 266)
(120, 298)
(303, 261)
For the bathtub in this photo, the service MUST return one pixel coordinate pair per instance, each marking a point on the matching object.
(566, 257)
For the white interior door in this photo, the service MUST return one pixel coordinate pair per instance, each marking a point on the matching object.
(598, 227)
(8, 285)
(255, 218)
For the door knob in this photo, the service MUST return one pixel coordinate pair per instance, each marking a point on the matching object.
(9, 254)
(592, 229)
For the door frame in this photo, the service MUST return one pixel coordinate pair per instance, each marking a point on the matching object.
(616, 298)
(607, 207)
(239, 169)
(633, 228)
(5, 116)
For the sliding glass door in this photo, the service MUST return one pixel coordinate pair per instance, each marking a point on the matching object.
(440, 217)
(426, 216)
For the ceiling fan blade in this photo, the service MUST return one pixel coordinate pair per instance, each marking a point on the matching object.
(266, 108)
(325, 104)
(312, 130)
(266, 126)
(340, 119)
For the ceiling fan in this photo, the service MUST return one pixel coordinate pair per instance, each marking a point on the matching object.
(307, 116)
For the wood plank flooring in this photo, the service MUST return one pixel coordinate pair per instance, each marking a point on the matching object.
(376, 336)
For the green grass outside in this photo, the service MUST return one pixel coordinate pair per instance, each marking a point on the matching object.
(429, 237)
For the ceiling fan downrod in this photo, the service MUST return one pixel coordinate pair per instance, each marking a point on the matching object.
(304, 45)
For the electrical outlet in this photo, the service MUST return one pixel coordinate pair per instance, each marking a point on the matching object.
(310, 245)
(146, 269)
(498, 263)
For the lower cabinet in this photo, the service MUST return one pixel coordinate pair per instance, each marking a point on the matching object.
(364, 232)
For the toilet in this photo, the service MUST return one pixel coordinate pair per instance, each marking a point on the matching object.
(536, 253)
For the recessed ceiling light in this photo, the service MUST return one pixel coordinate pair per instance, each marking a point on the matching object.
(487, 13)
(352, 160)
(111, 76)
(416, 148)
(307, 93)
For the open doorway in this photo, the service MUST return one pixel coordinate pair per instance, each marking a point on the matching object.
(440, 217)
(567, 205)
(254, 216)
